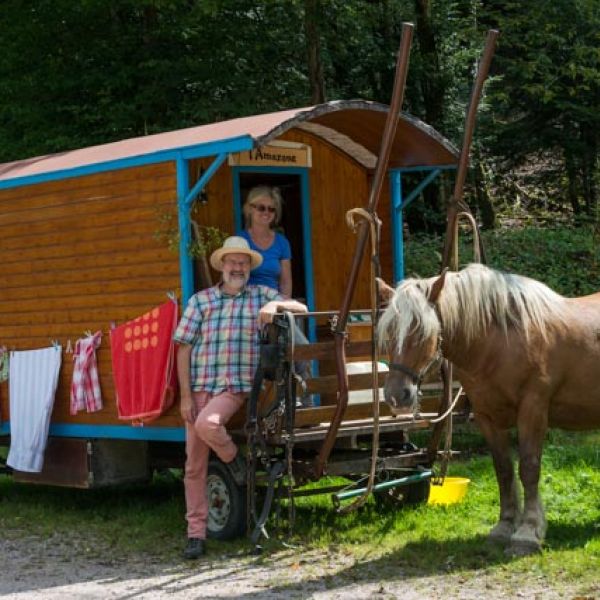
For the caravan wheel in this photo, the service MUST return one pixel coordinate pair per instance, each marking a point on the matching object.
(226, 503)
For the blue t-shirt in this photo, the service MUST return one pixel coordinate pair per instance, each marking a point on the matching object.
(268, 273)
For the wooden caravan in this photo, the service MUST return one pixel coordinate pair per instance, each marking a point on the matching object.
(80, 251)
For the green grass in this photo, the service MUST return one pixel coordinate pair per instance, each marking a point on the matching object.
(418, 541)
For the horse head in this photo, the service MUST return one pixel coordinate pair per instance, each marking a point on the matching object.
(410, 330)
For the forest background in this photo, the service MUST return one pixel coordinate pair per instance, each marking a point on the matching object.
(75, 73)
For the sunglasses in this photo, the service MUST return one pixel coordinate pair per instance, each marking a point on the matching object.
(263, 207)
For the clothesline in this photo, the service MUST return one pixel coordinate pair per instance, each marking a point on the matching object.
(143, 365)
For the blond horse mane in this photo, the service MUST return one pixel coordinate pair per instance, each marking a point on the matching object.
(470, 302)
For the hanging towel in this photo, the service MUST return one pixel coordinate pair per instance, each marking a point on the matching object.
(3, 364)
(85, 387)
(143, 361)
(32, 384)
(3, 371)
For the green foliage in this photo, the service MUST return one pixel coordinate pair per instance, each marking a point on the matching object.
(565, 258)
(205, 240)
(74, 74)
(545, 101)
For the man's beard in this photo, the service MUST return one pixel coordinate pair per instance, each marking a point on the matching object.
(236, 280)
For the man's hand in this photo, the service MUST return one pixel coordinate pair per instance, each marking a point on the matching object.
(268, 311)
(187, 408)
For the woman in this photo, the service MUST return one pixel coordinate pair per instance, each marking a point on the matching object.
(262, 213)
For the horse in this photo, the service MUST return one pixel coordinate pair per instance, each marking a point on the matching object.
(527, 358)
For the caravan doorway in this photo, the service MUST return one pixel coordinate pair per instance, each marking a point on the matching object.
(292, 223)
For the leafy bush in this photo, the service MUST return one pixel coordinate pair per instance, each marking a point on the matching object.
(565, 258)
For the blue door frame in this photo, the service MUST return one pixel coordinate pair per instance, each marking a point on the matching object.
(398, 204)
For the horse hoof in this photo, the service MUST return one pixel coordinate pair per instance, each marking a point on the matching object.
(501, 533)
(526, 540)
(523, 548)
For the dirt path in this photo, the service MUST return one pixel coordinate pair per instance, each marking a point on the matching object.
(56, 569)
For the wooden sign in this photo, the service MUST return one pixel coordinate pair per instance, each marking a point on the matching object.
(274, 154)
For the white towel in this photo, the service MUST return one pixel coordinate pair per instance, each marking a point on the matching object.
(32, 386)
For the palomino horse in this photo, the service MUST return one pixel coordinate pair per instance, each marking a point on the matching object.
(525, 356)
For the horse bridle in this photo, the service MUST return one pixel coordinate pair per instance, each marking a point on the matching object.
(417, 378)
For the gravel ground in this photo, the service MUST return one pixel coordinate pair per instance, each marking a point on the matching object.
(53, 568)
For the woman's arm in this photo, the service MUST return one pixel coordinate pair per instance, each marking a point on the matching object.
(285, 278)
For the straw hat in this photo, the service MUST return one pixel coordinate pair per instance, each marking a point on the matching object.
(234, 245)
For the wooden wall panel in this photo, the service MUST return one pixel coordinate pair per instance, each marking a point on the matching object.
(80, 254)
(218, 210)
(92, 185)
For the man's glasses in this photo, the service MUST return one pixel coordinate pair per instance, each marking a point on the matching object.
(263, 207)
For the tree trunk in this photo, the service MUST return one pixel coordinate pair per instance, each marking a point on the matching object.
(571, 169)
(590, 157)
(482, 194)
(203, 273)
(432, 82)
(432, 89)
(312, 17)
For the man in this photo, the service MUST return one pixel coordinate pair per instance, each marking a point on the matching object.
(216, 361)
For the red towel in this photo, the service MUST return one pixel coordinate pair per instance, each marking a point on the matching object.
(143, 360)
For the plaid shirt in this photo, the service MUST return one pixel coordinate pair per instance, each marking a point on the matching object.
(223, 332)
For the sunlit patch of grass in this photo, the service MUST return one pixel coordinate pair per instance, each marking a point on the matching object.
(434, 539)
(420, 540)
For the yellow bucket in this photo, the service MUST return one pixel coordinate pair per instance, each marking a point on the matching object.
(453, 490)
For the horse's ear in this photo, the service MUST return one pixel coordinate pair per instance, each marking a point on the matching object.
(386, 292)
(437, 287)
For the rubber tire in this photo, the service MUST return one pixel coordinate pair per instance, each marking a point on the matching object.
(226, 503)
(411, 494)
(418, 493)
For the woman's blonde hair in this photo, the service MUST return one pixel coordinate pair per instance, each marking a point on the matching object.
(258, 192)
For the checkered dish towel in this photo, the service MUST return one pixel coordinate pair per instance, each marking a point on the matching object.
(85, 387)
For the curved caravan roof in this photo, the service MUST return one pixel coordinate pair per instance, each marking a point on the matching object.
(353, 125)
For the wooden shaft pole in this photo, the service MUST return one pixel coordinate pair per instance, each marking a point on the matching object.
(463, 162)
(389, 134)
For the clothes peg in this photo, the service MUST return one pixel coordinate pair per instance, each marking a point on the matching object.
(69, 349)
(172, 296)
(87, 333)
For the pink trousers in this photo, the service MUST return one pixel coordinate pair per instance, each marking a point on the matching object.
(208, 433)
